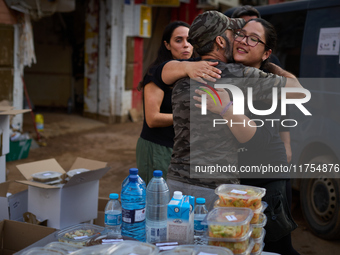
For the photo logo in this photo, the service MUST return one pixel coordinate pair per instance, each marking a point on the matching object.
(204, 98)
(239, 99)
(239, 104)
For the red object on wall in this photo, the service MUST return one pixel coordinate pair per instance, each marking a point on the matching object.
(137, 73)
(186, 12)
(275, 1)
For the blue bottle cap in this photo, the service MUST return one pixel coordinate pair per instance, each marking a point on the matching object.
(133, 171)
(114, 196)
(133, 178)
(157, 173)
(200, 200)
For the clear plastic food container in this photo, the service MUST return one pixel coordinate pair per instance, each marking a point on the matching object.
(259, 252)
(228, 222)
(73, 172)
(43, 251)
(94, 250)
(257, 228)
(132, 247)
(198, 250)
(258, 242)
(234, 195)
(242, 245)
(256, 215)
(79, 234)
(47, 176)
(105, 238)
(65, 247)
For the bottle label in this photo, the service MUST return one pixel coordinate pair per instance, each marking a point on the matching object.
(113, 219)
(198, 225)
(133, 216)
(154, 235)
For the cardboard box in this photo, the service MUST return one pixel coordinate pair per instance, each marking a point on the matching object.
(180, 224)
(15, 236)
(14, 206)
(68, 204)
(100, 221)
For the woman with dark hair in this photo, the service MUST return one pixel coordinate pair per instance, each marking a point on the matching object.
(154, 147)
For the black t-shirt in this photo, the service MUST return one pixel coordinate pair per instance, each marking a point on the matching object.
(265, 147)
(160, 135)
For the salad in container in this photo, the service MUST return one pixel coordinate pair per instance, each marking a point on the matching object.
(235, 195)
(258, 228)
(79, 234)
(257, 213)
(228, 222)
(259, 252)
(242, 245)
(258, 242)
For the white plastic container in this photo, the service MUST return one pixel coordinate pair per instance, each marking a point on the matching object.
(258, 242)
(234, 195)
(132, 247)
(73, 172)
(242, 245)
(79, 234)
(65, 247)
(47, 176)
(228, 222)
(43, 251)
(198, 250)
(259, 227)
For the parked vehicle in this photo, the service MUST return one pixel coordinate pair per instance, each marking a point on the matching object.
(308, 32)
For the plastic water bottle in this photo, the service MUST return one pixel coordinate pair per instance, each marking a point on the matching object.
(199, 214)
(133, 198)
(113, 215)
(157, 199)
(133, 171)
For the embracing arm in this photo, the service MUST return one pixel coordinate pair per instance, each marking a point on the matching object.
(175, 70)
(292, 81)
(153, 97)
(243, 133)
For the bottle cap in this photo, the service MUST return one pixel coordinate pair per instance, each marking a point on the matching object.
(133, 171)
(114, 196)
(178, 195)
(133, 178)
(200, 200)
(157, 173)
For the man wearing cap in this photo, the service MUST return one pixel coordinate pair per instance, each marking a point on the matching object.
(200, 150)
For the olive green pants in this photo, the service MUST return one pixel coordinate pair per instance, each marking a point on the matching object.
(151, 156)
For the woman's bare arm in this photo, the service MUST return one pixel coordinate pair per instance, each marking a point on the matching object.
(153, 97)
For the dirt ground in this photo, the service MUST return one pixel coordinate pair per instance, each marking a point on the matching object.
(72, 136)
